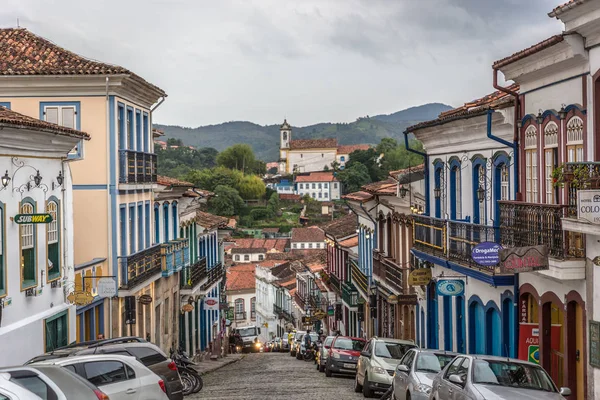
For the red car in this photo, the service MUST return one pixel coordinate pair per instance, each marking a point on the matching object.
(343, 355)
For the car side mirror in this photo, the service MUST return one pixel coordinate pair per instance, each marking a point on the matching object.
(565, 391)
(365, 354)
(403, 368)
(456, 380)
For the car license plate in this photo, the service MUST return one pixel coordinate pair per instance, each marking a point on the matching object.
(350, 366)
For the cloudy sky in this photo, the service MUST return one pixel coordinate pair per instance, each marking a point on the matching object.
(308, 60)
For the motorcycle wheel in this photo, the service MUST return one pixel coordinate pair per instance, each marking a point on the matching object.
(199, 383)
(188, 384)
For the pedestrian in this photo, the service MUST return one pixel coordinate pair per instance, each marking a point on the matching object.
(232, 342)
(100, 336)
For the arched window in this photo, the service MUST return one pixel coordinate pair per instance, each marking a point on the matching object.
(28, 234)
(156, 223)
(550, 159)
(455, 190)
(166, 221)
(575, 140)
(175, 219)
(53, 238)
(531, 167)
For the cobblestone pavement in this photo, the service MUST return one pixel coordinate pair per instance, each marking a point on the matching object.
(274, 376)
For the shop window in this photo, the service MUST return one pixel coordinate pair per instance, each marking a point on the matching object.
(53, 238)
(57, 331)
(28, 236)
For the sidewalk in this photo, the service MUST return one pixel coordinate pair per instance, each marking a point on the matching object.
(207, 366)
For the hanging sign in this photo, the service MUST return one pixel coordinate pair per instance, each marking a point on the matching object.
(588, 205)
(419, 277)
(319, 314)
(107, 287)
(330, 310)
(33, 218)
(145, 299)
(486, 254)
(187, 308)
(450, 287)
(211, 303)
(407, 299)
(80, 298)
(524, 259)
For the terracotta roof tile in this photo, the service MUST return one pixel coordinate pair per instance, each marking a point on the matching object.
(290, 197)
(352, 242)
(14, 120)
(320, 285)
(210, 221)
(342, 227)
(313, 144)
(241, 277)
(248, 250)
(544, 44)
(359, 196)
(387, 186)
(24, 53)
(168, 181)
(349, 148)
(310, 234)
(316, 267)
(293, 292)
(316, 177)
(565, 7)
(268, 244)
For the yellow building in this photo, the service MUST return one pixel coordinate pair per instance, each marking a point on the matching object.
(113, 180)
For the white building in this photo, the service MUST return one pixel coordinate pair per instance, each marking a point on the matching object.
(36, 259)
(266, 318)
(311, 238)
(248, 255)
(241, 294)
(322, 186)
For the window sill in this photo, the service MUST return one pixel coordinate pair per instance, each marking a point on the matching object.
(26, 285)
(52, 278)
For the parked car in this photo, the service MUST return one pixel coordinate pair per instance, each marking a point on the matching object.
(480, 377)
(416, 372)
(50, 382)
(323, 353)
(285, 345)
(295, 345)
(117, 376)
(377, 363)
(145, 352)
(314, 336)
(276, 344)
(343, 355)
(13, 391)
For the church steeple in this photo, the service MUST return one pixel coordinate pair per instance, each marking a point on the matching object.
(285, 133)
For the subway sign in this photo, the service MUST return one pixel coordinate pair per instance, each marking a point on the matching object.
(33, 218)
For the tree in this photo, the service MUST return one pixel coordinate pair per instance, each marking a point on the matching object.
(251, 187)
(354, 177)
(226, 201)
(174, 142)
(401, 158)
(240, 157)
(369, 159)
(272, 170)
(273, 204)
(386, 145)
(209, 179)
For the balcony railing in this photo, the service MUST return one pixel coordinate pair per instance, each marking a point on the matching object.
(192, 275)
(334, 282)
(137, 167)
(240, 316)
(359, 279)
(393, 275)
(349, 294)
(299, 300)
(532, 224)
(175, 258)
(139, 266)
(214, 274)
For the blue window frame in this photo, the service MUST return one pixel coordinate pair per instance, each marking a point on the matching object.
(166, 221)
(148, 223)
(455, 190)
(146, 134)
(138, 130)
(132, 243)
(438, 176)
(5, 104)
(130, 134)
(121, 126)
(175, 219)
(140, 215)
(123, 226)
(67, 114)
(501, 183)
(479, 208)
(156, 223)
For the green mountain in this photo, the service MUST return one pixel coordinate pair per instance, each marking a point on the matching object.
(265, 139)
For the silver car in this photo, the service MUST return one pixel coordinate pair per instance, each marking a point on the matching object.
(477, 377)
(324, 353)
(416, 371)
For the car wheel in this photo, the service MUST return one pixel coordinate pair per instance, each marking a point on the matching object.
(367, 392)
(321, 368)
(328, 372)
(357, 386)
(407, 395)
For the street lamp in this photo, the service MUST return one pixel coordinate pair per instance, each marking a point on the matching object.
(539, 117)
(5, 179)
(37, 178)
(437, 192)
(60, 178)
(403, 191)
(562, 113)
(481, 194)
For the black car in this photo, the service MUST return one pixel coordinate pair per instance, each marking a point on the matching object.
(145, 352)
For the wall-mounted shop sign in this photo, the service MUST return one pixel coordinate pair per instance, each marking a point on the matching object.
(145, 299)
(588, 205)
(420, 276)
(450, 287)
(80, 298)
(319, 314)
(330, 310)
(407, 299)
(306, 321)
(523, 259)
(33, 218)
(486, 254)
(187, 308)
(107, 287)
(211, 303)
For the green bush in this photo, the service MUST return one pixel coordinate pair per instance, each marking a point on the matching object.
(246, 220)
(260, 213)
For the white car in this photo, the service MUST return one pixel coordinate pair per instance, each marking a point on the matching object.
(10, 390)
(120, 377)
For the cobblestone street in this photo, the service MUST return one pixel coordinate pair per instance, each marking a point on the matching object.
(274, 376)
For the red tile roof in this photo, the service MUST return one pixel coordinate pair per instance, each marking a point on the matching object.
(168, 181)
(210, 221)
(241, 277)
(349, 148)
(316, 177)
(248, 250)
(24, 53)
(359, 196)
(342, 227)
(320, 285)
(269, 244)
(473, 108)
(313, 144)
(401, 172)
(310, 234)
(290, 197)
(387, 186)
(14, 120)
(316, 267)
(565, 7)
(349, 242)
(544, 44)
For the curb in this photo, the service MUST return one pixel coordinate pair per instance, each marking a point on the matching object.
(202, 373)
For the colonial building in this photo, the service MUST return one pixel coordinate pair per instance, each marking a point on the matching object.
(321, 186)
(241, 294)
(311, 238)
(36, 236)
(308, 155)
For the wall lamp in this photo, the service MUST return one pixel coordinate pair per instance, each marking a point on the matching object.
(403, 191)
(59, 179)
(481, 194)
(5, 179)
(437, 192)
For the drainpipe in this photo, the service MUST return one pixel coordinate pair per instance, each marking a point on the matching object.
(426, 172)
(516, 191)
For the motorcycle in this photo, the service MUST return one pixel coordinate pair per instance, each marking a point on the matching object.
(190, 379)
(310, 353)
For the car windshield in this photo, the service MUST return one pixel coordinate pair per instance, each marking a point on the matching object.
(349, 344)
(328, 341)
(512, 374)
(428, 362)
(299, 335)
(247, 331)
(392, 350)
